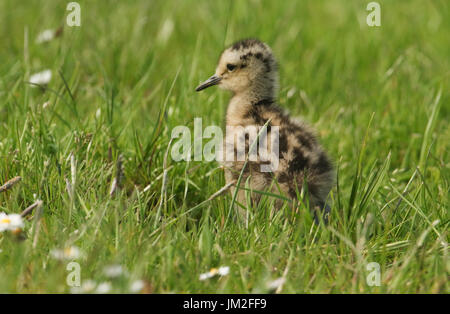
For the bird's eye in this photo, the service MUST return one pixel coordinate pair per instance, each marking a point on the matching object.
(231, 67)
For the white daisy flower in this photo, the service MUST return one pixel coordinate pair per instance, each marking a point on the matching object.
(137, 286)
(45, 36)
(88, 286)
(103, 288)
(4, 222)
(69, 253)
(41, 78)
(113, 271)
(11, 222)
(221, 271)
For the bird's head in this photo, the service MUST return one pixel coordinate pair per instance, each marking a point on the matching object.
(248, 66)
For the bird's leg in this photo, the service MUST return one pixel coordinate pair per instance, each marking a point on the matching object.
(321, 209)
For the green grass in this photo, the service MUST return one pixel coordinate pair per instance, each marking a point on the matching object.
(378, 97)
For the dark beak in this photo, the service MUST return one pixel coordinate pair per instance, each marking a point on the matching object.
(213, 80)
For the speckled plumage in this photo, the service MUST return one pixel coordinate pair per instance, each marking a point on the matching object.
(248, 69)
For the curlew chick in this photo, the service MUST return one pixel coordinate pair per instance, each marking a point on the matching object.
(249, 70)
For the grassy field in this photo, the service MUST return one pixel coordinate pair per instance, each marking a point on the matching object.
(378, 97)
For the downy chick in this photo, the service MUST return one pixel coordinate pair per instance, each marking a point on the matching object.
(249, 70)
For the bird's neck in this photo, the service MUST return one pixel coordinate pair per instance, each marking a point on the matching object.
(241, 104)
